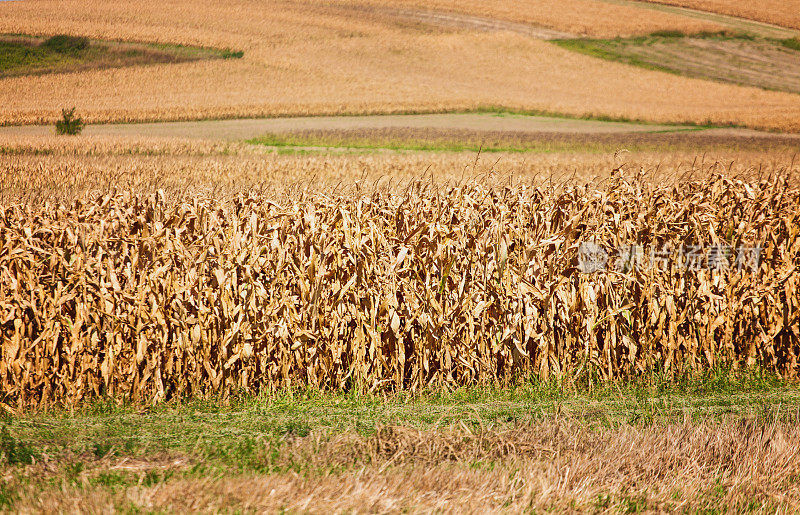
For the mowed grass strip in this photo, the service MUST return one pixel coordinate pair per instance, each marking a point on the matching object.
(465, 140)
(720, 441)
(30, 55)
(724, 57)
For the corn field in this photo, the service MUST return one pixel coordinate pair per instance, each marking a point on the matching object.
(143, 298)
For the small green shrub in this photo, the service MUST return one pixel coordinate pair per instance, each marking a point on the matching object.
(8, 496)
(668, 34)
(13, 451)
(69, 124)
(66, 44)
(724, 34)
(231, 54)
(793, 43)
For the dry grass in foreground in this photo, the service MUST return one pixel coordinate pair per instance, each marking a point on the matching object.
(785, 13)
(302, 58)
(552, 466)
(736, 467)
(719, 445)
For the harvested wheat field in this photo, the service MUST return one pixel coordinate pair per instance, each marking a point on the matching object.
(785, 13)
(307, 59)
(577, 17)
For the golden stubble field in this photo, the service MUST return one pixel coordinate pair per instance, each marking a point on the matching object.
(313, 58)
(785, 13)
(579, 17)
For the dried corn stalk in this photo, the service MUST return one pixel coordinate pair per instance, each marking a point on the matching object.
(136, 297)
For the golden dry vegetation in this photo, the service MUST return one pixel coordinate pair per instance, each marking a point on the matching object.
(557, 464)
(578, 17)
(55, 169)
(785, 13)
(314, 58)
(146, 298)
(208, 325)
